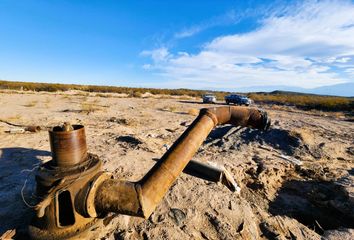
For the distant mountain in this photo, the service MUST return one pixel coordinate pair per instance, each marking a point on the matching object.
(343, 89)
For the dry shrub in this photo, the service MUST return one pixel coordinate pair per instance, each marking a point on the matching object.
(104, 95)
(135, 94)
(124, 121)
(277, 107)
(31, 104)
(170, 108)
(88, 107)
(66, 97)
(339, 115)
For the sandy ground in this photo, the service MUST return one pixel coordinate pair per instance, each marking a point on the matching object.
(279, 198)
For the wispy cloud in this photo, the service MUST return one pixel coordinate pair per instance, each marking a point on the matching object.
(296, 46)
(188, 32)
(157, 55)
(230, 17)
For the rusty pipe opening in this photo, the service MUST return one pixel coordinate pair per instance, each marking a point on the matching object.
(68, 145)
(33, 128)
(141, 198)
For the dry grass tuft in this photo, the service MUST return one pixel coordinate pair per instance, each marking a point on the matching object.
(170, 108)
(31, 104)
(88, 107)
(103, 95)
(124, 121)
(67, 97)
(135, 94)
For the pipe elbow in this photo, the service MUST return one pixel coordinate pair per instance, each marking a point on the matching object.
(120, 197)
(238, 116)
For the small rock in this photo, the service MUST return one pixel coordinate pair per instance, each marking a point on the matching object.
(343, 234)
(129, 140)
(268, 231)
(177, 215)
(160, 218)
(350, 150)
(151, 135)
(184, 124)
(166, 146)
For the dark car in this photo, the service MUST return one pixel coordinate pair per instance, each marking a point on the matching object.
(237, 99)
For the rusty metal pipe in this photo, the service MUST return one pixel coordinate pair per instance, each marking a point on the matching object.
(33, 128)
(68, 146)
(212, 173)
(141, 198)
(217, 174)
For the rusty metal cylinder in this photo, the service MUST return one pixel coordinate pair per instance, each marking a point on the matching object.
(68, 147)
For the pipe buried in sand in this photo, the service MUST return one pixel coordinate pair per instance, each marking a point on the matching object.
(141, 198)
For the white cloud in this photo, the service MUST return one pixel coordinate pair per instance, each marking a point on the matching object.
(188, 32)
(157, 55)
(343, 60)
(350, 71)
(294, 47)
(147, 66)
(230, 17)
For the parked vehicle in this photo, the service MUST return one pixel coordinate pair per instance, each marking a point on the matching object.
(209, 98)
(237, 99)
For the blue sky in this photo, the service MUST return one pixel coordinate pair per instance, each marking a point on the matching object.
(178, 44)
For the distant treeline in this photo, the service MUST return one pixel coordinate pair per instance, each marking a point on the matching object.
(300, 100)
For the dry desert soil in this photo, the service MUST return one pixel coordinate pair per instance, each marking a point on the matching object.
(296, 180)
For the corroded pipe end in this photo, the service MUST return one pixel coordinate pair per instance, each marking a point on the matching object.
(259, 119)
(238, 116)
(68, 146)
(33, 128)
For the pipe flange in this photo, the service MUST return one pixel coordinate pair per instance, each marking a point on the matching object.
(90, 199)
